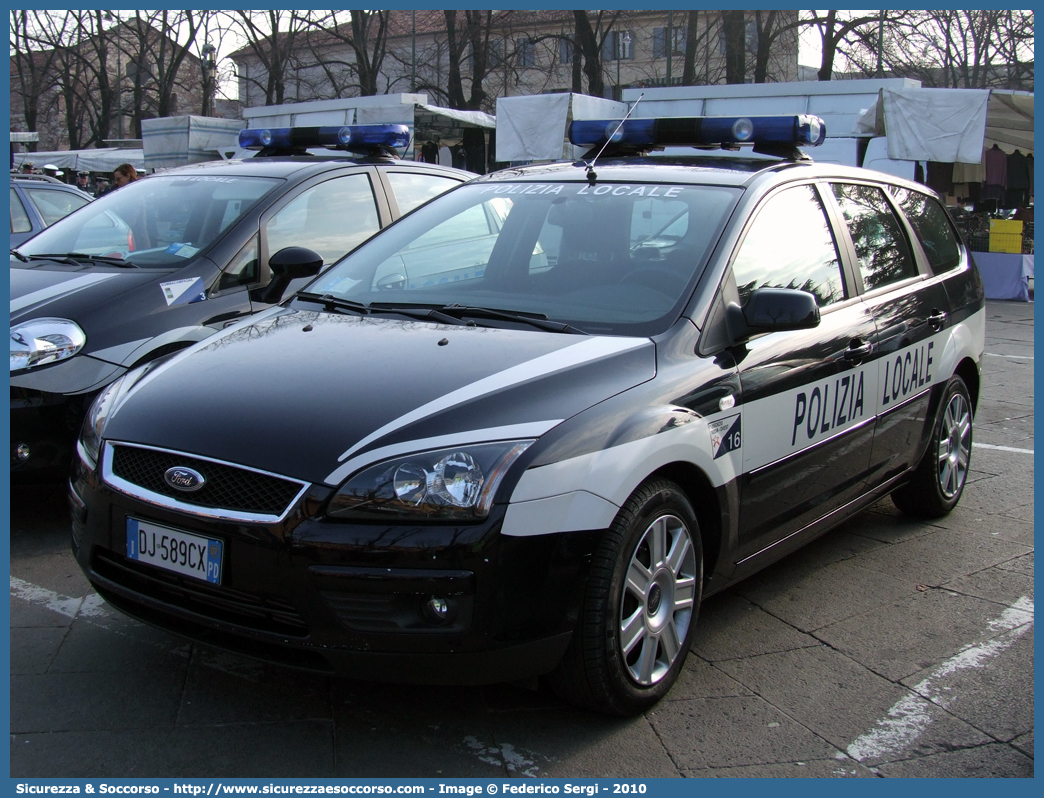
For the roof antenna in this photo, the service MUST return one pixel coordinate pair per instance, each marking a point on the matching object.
(591, 176)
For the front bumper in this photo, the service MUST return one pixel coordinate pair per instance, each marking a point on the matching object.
(43, 429)
(348, 598)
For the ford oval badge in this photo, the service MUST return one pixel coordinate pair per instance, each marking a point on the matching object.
(184, 479)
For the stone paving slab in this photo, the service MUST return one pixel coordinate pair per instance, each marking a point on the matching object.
(713, 732)
(986, 762)
(841, 701)
(230, 751)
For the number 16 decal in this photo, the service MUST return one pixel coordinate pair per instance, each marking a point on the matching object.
(725, 435)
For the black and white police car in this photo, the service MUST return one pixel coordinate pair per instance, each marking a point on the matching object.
(169, 259)
(527, 428)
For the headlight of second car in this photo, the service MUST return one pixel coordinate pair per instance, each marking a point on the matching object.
(38, 342)
(446, 484)
(102, 408)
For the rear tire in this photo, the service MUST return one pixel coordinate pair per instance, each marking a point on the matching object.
(940, 477)
(639, 608)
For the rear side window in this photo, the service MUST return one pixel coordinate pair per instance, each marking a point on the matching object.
(880, 244)
(19, 218)
(932, 226)
(790, 245)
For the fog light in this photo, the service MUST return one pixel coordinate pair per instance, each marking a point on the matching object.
(22, 452)
(437, 610)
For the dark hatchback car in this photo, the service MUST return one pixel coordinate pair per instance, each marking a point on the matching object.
(38, 202)
(169, 259)
(527, 428)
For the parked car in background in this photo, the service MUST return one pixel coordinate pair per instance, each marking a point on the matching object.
(526, 429)
(38, 201)
(169, 259)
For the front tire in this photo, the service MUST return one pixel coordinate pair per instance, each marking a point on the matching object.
(640, 606)
(939, 480)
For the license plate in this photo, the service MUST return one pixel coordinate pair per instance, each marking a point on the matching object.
(173, 550)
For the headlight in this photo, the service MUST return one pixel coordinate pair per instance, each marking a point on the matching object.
(446, 484)
(41, 341)
(102, 408)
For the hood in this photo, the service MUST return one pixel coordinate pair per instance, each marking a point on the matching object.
(46, 289)
(317, 395)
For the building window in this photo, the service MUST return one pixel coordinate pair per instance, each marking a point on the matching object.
(526, 49)
(660, 42)
(618, 46)
(566, 51)
(752, 35)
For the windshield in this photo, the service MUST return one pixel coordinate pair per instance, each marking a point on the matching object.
(613, 258)
(157, 221)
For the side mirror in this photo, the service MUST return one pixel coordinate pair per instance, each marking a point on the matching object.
(773, 310)
(287, 265)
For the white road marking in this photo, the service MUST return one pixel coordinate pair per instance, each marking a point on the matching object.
(1010, 357)
(90, 606)
(911, 715)
(1001, 448)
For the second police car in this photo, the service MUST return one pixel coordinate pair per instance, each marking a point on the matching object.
(525, 430)
(169, 259)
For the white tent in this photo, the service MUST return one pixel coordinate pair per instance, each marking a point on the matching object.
(105, 160)
(950, 125)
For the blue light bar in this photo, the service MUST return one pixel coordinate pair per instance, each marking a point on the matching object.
(356, 138)
(798, 129)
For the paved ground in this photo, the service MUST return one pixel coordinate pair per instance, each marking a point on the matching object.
(887, 648)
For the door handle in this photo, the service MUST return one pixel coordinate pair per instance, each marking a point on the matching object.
(936, 320)
(858, 351)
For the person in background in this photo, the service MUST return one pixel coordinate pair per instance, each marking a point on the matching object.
(121, 176)
(82, 181)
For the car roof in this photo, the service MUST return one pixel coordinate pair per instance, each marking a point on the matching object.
(738, 171)
(298, 166)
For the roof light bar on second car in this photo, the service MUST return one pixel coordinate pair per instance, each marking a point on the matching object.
(361, 138)
(795, 129)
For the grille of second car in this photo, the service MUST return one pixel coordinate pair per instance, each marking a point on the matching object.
(226, 487)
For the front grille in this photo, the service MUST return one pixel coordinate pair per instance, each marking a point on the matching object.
(226, 487)
(211, 601)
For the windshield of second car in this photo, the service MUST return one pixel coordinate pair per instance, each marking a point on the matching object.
(611, 258)
(157, 221)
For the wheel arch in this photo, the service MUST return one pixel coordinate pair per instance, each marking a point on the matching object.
(968, 371)
(705, 502)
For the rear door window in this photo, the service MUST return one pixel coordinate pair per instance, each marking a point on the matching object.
(880, 243)
(932, 226)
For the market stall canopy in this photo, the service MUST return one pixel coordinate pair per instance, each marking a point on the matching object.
(534, 127)
(950, 125)
(179, 140)
(85, 160)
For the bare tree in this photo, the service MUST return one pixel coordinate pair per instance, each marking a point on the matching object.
(734, 30)
(155, 45)
(271, 38)
(951, 48)
(590, 39)
(350, 47)
(33, 64)
(836, 28)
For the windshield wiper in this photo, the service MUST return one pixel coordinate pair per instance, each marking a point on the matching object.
(20, 256)
(417, 312)
(332, 303)
(538, 320)
(74, 259)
